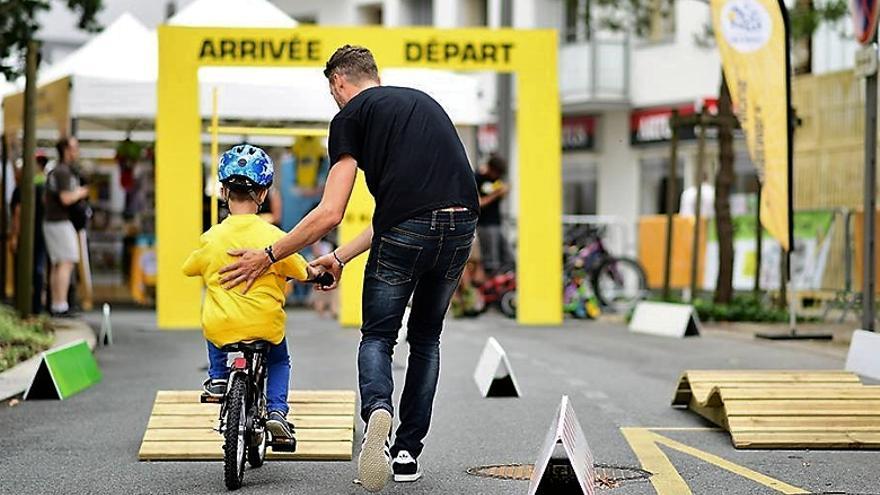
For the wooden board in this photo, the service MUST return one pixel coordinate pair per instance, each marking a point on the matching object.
(180, 428)
(319, 409)
(294, 397)
(211, 421)
(213, 451)
(786, 409)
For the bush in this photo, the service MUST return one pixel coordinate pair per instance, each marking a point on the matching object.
(742, 308)
(19, 339)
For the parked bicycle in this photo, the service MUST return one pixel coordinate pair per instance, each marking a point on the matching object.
(617, 282)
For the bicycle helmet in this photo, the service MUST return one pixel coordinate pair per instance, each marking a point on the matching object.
(245, 167)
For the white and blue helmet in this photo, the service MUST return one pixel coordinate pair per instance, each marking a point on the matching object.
(245, 167)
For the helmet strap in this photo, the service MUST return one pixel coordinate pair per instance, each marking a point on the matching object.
(255, 198)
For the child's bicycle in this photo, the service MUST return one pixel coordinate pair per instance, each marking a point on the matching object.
(243, 409)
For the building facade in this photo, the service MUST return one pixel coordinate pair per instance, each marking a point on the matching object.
(617, 90)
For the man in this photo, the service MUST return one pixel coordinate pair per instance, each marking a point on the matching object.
(426, 212)
(494, 250)
(39, 269)
(62, 191)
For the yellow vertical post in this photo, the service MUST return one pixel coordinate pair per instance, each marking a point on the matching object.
(178, 183)
(358, 217)
(539, 264)
(215, 121)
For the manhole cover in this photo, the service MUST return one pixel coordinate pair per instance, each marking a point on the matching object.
(607, 476)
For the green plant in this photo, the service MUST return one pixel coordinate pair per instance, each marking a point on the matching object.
(21, 339)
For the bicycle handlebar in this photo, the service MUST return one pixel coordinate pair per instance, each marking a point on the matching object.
(324, 280)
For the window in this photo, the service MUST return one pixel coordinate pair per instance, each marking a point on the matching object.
(661, 21)
(576, 22)
(473, 13)
(370, 15)
(418, 12)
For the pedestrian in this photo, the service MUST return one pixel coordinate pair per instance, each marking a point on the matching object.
(62, 193)
(38, 273)
(426, 213)
(490, 182)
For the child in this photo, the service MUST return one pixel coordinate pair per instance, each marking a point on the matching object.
(228, 316)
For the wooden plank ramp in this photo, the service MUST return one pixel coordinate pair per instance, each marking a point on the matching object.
(785, 409)
(180, 428)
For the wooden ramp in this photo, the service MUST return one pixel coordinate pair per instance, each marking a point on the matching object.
(786, 409)
(182, 429)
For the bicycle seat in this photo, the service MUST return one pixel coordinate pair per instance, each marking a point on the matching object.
(256, 347)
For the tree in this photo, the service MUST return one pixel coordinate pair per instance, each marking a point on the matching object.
(19, 54)
(639, 17)
(19, 23)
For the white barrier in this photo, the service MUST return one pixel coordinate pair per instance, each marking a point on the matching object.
(665, 319)
(494, 375)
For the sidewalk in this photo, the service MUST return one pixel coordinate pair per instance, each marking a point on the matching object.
(15, 381)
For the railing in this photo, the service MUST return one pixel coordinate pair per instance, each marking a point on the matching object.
(594, 71)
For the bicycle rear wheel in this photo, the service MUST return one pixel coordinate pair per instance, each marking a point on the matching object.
(235, 446)
(619, 283)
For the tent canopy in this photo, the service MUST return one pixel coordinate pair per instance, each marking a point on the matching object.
(238, 13)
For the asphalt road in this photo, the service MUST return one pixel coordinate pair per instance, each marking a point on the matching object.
(89, 443)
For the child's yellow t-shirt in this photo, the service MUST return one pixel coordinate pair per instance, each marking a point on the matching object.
(230, 316)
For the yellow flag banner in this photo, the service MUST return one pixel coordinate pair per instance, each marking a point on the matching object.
(752, 36)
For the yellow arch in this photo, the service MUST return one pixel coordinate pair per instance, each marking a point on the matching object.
(529, 54)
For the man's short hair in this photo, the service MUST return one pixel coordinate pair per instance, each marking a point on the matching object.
(497, 164)
(354, 62)
(61, 146)
(243, 194)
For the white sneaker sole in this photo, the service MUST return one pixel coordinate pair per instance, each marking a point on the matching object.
(374, 466)
(407, 478)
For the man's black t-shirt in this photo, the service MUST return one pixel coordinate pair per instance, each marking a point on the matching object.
(409, 151)
(490, 214)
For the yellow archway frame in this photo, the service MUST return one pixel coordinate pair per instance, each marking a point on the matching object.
(529, 54)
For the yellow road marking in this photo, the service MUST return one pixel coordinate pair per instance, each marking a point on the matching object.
(666, 480)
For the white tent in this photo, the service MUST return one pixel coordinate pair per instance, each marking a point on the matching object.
(238, 13)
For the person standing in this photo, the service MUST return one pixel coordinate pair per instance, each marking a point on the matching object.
(39, 269)
(490, 182)
(62, 192)
(423, 226)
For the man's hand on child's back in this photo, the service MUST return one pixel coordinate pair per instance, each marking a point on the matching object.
(251, 265)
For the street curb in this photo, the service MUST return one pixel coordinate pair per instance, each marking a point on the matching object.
(15, 380)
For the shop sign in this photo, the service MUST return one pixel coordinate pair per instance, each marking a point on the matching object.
(578, 133)
(487, 138)
(651, 125)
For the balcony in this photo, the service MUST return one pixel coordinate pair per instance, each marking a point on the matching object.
(594, 73)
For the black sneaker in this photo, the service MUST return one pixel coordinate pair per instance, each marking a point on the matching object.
(215, 387)
(374, 461)
(278, 425)
(406, 468)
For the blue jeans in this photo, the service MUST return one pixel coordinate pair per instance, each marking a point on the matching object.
(422, 258)
(277, 373)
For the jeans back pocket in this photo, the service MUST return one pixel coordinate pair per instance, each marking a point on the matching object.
(396, 261)
(458, 261)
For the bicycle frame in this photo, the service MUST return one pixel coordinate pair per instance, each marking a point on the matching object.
(251, 366)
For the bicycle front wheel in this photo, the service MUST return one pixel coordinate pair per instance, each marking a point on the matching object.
(619, 283)
(235, 447)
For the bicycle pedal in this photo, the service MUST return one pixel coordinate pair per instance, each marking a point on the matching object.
(210, 399)
(283, 444)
